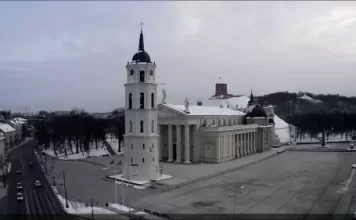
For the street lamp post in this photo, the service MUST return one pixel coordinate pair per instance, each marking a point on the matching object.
(234, 196)
(65, 189)
(92, 209)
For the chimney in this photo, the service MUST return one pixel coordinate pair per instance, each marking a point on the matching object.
(199, 102)
(220, 89)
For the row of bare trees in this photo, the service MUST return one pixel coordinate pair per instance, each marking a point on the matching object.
(78, 131)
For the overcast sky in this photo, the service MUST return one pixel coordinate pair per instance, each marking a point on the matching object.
(60, 55)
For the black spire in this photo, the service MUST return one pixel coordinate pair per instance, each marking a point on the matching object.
(141, 46)
(251, 98)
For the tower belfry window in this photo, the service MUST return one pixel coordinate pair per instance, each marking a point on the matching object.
(130, 100)
(142, 100)
(152, 100)
(142, 76)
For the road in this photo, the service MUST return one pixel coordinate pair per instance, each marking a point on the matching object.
(39, 203)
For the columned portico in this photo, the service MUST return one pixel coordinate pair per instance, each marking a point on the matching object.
(186, 145)
(178, 144)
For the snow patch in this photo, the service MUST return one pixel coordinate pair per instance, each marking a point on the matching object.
(310, 99)
(121, 207)
(80, 208)
(101, 151)
(114, 143)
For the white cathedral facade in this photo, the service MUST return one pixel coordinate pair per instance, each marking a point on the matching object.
(183, 133)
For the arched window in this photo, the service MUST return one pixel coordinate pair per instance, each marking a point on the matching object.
(130, 100)
(141, 126)
(130, 126)
(143, 160)
(219, 123)
(224, 122)
(142, 76)
(132, 72)
(229, 122)
(153, 126)
(213, 122)
(152, 100)
(143, 146)
(131, 160)
(235, 121)
(142, 100)
(131, 146)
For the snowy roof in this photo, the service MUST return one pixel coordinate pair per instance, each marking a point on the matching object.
(6, 128)
(20, 119)
(231, 102)
(310, 99)
(205, 110)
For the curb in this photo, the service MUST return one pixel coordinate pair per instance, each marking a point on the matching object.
(166, 188)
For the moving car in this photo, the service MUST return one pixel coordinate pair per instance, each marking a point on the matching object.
(18, 172)
(19, 197)
(38, 184)
(19, 186)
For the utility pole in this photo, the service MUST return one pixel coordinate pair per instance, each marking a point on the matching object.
(65, 189)
(92, 209)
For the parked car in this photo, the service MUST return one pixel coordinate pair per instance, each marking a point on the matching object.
(19, 197)
(19, 186)
(18, 172)
(38, 184)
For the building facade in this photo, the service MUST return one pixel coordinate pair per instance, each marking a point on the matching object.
(141, 139)
(190, 134)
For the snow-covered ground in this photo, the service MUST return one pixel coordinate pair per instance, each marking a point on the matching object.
(310, 99)
(331, 138)
(282, 129)
(121, 207)
(114, 143)
(119, 180)
(80, 208)
(101, 151)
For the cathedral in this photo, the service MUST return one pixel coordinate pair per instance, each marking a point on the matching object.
(163, 132)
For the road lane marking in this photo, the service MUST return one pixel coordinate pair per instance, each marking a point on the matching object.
(38, 204)
(49, 203)
(26, 203)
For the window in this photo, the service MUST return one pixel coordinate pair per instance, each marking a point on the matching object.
(143, 146)
(142, 76)
(235, 121)
(130, 126)
(224, 122)
(132, 72)
(213, 122)
(131, 160)
(142, 100)
(153, 146)
(153, 126)
(153, 159)
(219, 123)
(205, 123)
(130, 100)
(141, 126)
(152, 100)
(151, 72)
(131, 147)
(143, 160)
(229, 122)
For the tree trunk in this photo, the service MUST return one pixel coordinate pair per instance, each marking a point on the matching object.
(77, 144)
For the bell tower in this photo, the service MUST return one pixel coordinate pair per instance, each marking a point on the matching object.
(141, 139)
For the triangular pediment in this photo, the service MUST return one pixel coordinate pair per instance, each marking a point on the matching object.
(165, 111)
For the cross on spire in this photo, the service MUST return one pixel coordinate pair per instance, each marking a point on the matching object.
(141, 25)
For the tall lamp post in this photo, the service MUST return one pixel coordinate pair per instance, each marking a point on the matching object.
(65, 189)
(234, 197)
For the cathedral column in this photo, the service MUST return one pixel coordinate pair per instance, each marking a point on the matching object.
(178, 144)
(237, 145)
(186, 145)
(170, 144)
(245, 145)
(249, 143)
(254, 142)
(242, 145)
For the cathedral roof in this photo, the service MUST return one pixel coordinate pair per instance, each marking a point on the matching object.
(141, 55)
(204, 110)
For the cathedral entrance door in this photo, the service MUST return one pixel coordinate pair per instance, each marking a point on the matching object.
(174, 152)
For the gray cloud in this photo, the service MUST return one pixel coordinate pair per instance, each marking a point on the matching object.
(58, 55)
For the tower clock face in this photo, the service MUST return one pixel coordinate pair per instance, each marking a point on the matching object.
(151, 72)
(132, 72)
